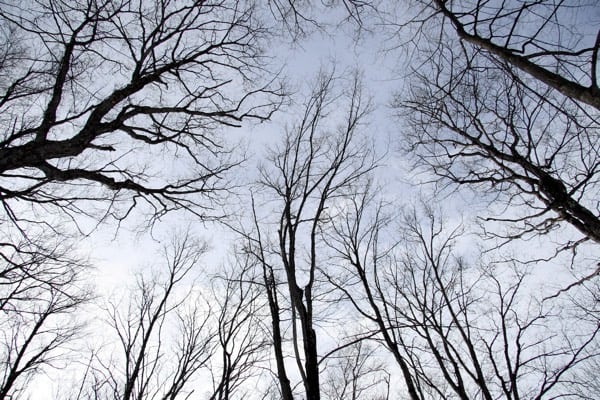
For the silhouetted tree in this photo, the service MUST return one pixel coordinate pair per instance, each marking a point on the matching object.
(40, 298)
(459, 329)
(120, 102)
(317, 165)
(175, 336)
(505, 98)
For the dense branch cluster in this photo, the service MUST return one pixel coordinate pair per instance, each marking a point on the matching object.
(103, 90)
(509, 103)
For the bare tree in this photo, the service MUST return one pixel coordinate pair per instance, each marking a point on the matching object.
(257, 248)
(141, 368)
(106, 105)
(297, 17)
(356, 373)
(505, 97)
(40, 297)
(120, 102)
(459, 331)
(172, 337)
(317, 165)
(242, 342)
(545, 39)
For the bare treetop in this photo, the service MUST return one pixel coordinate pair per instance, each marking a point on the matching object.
(96, 94)
(506, 99)
(556, 43)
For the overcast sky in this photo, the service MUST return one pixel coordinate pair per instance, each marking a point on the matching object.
(118, 252)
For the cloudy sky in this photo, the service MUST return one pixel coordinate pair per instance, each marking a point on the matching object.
(118, 252)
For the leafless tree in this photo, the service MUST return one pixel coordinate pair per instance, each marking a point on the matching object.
(256, 247)
(242, 341)
(109, 104)
(298, 17)
(173, 337)
(548, 40)
(505, 98)
(319, 163)
(120, 102)
(40, 297)
(459, 331)
(356, 373)
(140, 368)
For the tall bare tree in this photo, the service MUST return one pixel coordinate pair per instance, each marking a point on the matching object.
(457, 329)
(106, 105)
(242, 341)
(121, 101)
(140, 368)
(505, 98)
(172, 336)
(40, 298)
(319, 163)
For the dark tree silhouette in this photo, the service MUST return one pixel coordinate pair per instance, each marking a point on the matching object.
(40, 298)
(121, 101)
(316, 166)
(505, 99)
(459, 329)
(175, 339)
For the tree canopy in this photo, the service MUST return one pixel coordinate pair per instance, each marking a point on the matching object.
(342, 199)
